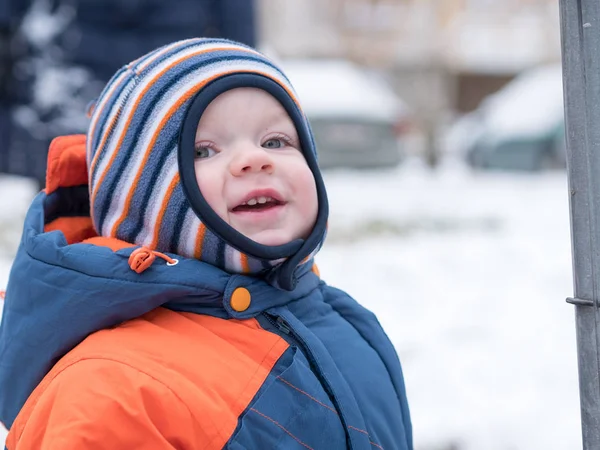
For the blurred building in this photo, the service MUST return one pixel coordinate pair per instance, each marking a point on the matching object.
(487, 42)
(443, 56)
(475, 41)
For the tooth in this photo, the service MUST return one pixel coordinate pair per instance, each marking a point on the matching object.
(262, 200)
(251, 202)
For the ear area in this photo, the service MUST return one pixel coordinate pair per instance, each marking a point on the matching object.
(66, 163)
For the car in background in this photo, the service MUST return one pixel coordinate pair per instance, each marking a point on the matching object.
(520, 127)
(356, 118)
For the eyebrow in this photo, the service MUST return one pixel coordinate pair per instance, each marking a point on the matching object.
(278, 116)
(281, 113)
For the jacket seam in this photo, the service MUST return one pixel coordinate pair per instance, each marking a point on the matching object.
(328, 407)
(282, 427)
(267, 355)
(283, 380)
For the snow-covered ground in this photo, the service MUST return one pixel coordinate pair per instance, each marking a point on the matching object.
(468, 274)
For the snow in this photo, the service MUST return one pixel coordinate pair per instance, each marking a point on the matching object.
(342, 89)
(457, 137)
(531, 105)
(468, 274)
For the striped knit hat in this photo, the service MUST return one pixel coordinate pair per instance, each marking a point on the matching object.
(140, 157)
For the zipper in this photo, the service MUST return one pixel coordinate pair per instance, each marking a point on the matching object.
(290, 336)
(293, 339)
(278, 323)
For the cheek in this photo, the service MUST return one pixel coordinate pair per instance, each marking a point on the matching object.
(307, 196)
(210, 186)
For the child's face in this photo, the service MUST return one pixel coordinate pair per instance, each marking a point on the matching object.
(250, 168)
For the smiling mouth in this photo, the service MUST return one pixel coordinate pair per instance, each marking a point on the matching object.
(258, 204)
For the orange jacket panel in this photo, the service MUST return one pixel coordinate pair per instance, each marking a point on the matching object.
(163, 381)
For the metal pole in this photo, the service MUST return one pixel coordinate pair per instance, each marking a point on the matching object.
(580, 33)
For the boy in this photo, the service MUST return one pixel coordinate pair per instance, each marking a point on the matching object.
(197, 153)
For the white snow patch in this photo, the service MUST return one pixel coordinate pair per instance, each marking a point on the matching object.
(531, 105)
(342, 89)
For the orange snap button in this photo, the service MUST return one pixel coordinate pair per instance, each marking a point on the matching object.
(240, 299)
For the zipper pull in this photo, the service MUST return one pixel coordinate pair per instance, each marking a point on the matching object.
(282, 325)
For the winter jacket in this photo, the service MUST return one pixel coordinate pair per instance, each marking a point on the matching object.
(181, 355)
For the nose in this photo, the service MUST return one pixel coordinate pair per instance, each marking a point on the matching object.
(251, 159)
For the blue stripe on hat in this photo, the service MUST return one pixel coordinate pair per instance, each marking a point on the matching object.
(178, 226)
(167, 225)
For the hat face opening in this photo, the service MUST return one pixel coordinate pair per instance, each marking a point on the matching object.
(186, 154)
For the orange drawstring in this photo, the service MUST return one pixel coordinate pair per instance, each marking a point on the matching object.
(2, 295)
(143, 257)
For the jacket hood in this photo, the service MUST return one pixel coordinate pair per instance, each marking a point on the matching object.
(62, 287)
(140, 156)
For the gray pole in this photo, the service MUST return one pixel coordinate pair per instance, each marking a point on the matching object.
(580, 32)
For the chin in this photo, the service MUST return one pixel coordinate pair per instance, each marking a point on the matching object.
(272, 238)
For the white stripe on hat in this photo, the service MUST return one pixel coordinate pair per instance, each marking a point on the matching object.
(187, 238)
(233, 259)
(98, 112)
(152, 209)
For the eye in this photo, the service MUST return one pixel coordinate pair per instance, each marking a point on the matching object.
(279, 140)
(203, 152)
(274, 143)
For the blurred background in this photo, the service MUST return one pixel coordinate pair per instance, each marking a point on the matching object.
(439, 125)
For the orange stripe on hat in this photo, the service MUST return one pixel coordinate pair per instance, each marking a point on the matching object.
(174, 182)
(245, 264)
(199, 241)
